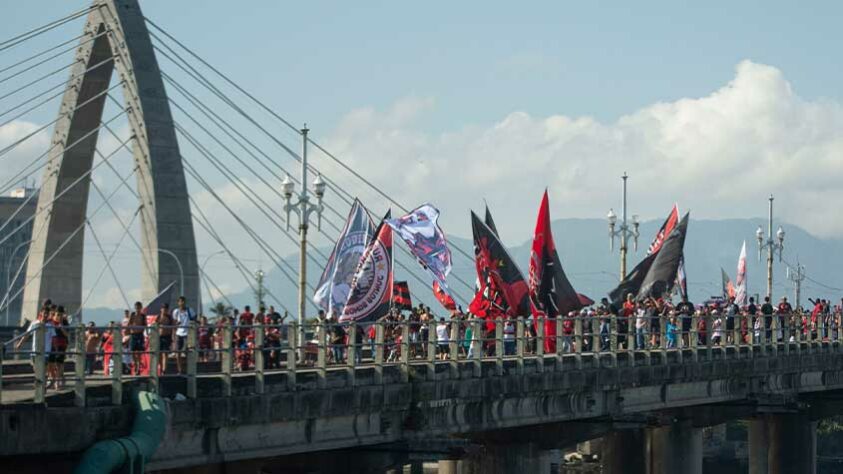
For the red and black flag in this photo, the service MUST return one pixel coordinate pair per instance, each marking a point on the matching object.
(401, 296)
(728, 286)
(551, 294)
(655, 276)
(499, 267)
(371, 287)
(490, 223)
(443, 297)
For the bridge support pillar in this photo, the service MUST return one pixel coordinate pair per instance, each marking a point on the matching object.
(675, 448)
(783, 444)
(623, 452)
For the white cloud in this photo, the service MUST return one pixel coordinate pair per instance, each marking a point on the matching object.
(22, 155)
(719, 155)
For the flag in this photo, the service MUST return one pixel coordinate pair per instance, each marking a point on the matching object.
(740, 278)
(497, 269)
(656, 274)
(401, 296)
(632, 281)
(585, 300)
(335, 282)
(665, 230)
(661, 277)
(551, 294)
(165, 296)
(681, 279)
(444, 298)
(420, 231)
(370, 292)
(490, 223)
(728, 287)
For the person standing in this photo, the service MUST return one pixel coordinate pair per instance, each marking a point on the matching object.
(182, 316)
(686, 313)
(443, 338)
(732, 312)
(135, 327)
(165, 340)
(767, 313)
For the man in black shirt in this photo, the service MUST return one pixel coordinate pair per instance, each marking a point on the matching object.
(767, 311)
(686, 311)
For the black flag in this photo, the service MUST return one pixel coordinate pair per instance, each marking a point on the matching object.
(656, 274)
(490, 223)
(499, 266)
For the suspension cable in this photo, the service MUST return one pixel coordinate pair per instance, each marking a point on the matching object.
(60, 84)
(59, 249)
(285, 122)
(49, 204)
(14, 41)
(48, 59)
(108, 262)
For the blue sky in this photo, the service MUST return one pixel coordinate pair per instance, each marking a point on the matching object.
(315, 61)
(712, 105)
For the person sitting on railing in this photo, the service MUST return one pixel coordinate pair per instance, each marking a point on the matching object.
(247, 318)
(605, 324)
(205, 335)
(182, 316)
(731, 311)
(59, 346)
(272, 340)
(784, 310)
(626, 316)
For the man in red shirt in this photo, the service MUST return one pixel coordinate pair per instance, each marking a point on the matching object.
(247, 318)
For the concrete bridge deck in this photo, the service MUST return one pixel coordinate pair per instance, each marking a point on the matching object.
(547, 400)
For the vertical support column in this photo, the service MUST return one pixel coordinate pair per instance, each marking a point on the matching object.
(499, 346)
(783, 443)
(520, 335)
(578, 340)
(227, 359)
(116, 367)
(192, 359)
(613, 339)
(40, 364)
(693, 337)
(431, 350)
(260, 357)
(321, 355)
(539, 326)
(675, 448)
(292, 352)
(154, 357)
(453, 349)
(709, 336)
(352, 354)
(476, 345)
(79, 365)
(405, 352)
(378, 374)
(560, 340)
(623, 452)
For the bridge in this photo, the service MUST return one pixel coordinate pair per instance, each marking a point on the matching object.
(487, 404)
(487, 412)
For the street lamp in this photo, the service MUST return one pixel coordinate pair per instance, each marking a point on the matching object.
(624, 232)
(304, 208)
(771, 245)
(259, 292)
(181, 270)
(201, 274)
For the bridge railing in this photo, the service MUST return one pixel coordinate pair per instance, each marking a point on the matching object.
(40, 363)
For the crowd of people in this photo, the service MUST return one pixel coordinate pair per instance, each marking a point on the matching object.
(639, 325)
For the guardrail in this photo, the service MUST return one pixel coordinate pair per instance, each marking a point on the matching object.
(260, 349)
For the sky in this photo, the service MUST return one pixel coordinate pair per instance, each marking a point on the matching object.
(712, 105)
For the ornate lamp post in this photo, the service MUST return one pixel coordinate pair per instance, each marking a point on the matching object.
(771, 245)
(303, 208)
(624, 232)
